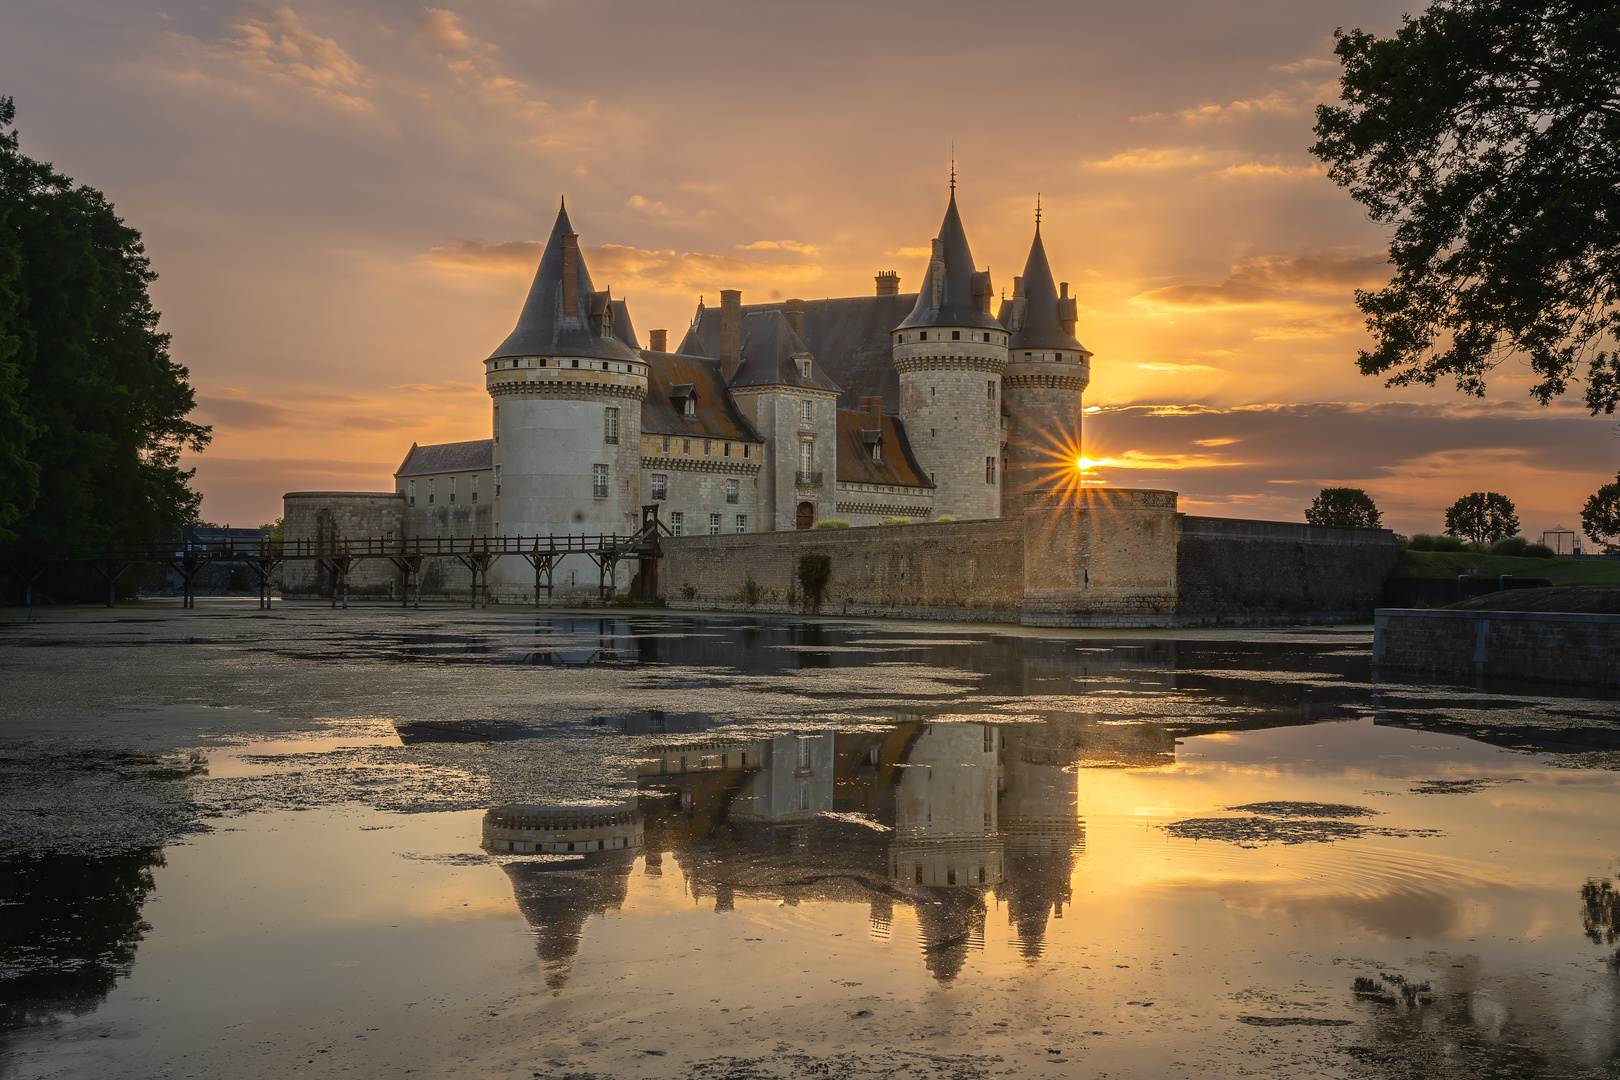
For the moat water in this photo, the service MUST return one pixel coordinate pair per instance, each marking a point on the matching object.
(240, 844)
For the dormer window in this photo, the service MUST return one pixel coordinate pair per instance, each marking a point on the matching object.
(804, 370)
(877, 452)
(691, 408)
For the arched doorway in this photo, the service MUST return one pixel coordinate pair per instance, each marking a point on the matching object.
(806, 516)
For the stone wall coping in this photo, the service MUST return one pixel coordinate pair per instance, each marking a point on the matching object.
(1211, 526)
(343, 495)
(1495, 616)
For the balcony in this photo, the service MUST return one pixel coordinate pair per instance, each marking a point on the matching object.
(805, 478)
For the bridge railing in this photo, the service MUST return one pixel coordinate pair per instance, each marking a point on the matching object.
(163, 551)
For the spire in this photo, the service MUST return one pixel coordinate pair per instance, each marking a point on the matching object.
(1044, 312)
(561, 316)
(953, 292)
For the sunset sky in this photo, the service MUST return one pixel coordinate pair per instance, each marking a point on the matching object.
(345, 200)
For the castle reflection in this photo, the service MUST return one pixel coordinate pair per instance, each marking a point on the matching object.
(952, 820)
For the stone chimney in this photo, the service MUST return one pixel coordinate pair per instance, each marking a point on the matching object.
(888, 283)
(570, 275)
(1068, 313)
(794, 310)
(1018, 286)
(873, 408)
(658, 340)
(730, 332)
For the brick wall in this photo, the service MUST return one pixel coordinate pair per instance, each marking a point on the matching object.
(1530, 645)
(1272, 571)
(948, 570)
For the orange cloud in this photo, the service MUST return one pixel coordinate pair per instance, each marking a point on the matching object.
(1266, 279)
(280, 47)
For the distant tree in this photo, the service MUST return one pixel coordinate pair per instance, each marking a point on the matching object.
(1483, 517)
(1347, 506)
(92, 408)
(1485, 132)
(1600, 517)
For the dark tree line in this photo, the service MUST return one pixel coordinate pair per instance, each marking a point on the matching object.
(92, 408)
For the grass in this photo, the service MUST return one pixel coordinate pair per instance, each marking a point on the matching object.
(1448, 564)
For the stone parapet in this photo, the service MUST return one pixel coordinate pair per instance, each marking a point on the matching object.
(1534, 646)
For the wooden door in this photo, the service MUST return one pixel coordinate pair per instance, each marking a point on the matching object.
(807, 515)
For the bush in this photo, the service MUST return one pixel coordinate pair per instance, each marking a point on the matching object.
(1510, 545)
(688, 591)
(1426, 542)
(1537, 551)
(895, 521)
(751, 592)
(815, 570)
(830, 523)
(946, 517)
(1420, 542)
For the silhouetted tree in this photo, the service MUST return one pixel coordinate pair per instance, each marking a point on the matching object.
(1483, 517)
(1344, 506)
(92, 408)
(1487, 132)
(1600, 517)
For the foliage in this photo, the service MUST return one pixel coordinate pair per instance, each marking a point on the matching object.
(1425, 542)
(946, 517)
(1437, 564)
(751, 591)
(1487, 134)
(815, 570)
(1538, 551)
(1483, 517)
(895, 521)
(1346, 506)
(830, 523)
(688, 591)
(1510, 545)
(102, 406)
(1600, 517)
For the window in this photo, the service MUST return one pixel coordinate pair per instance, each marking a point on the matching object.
(705, 447)
(430, 491)
(676, 520)
(691, 408)
(599, 481)
(987, 337)
(989, 470)
(875, 754)
(686, 446)
(956, 335)
(497, 481)
(576, 363)
(807, 456)
(452, 489)
(731, 492)
(475, 487)
(923, 336)
(610, 425)
(746, 450)
(930, 391)
(727, 450)
(714, 524)
(877, 452)
(742, 523)
(950, 875)
(660, 486)
(804, 798)
(987, 821)
(989, 738)
(410, 491)
(807, 412)
(666, 444)
(804, 755)
(495, 424)
(990, 389)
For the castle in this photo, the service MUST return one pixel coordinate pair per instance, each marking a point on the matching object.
(765, 417)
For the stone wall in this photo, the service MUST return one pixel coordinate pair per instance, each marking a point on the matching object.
(1231, 570)
(1530, 645)
(1100, 557)
(325, 516)
(945, 570)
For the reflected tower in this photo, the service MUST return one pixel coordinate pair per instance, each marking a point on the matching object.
(1040, 821)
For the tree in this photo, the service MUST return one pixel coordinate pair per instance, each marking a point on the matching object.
(1600, 517)
(1483, 517)
(1487, 133)
(1347, 506)
(92, 408)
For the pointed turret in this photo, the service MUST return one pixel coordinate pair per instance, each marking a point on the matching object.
(564, 315)
(1036, 316)
(953, 292)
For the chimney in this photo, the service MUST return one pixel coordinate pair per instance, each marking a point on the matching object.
(658, 340)
(888, 283)
(1068, 310)
(570, 275)
(794, 310)
(730, 332)
(1063, 290)
(1018, 287)
(873, 407)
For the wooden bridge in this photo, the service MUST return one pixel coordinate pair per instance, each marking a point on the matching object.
(339, 557)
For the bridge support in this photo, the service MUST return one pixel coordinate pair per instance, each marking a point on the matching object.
(112, 570)
(545, 565)
(411, 567)
(338, 566)
(479, 563)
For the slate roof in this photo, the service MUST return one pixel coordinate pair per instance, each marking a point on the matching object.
(1039, 324)
(450, 457)
(768, 348)
(542, 328)
(958, 304)
(717, 414)
(623, 328)
(855, 465)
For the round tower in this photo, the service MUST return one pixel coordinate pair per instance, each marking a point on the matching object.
(950, 353)
(1047, 369)
(567, 396)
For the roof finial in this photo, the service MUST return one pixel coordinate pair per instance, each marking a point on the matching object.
(564, 204)
(953, 166)
(1037, 211)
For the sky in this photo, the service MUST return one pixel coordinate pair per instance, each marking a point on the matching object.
(345, 201)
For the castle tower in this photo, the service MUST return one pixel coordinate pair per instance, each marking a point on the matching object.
(567, 395)
(950, 353)
(1047, 369)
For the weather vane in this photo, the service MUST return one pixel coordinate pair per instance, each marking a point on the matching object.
(953, 166)
(1037, 210)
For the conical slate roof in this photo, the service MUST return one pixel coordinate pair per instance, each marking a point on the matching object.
(543, 329)
(957, 304)
(1041, 327)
